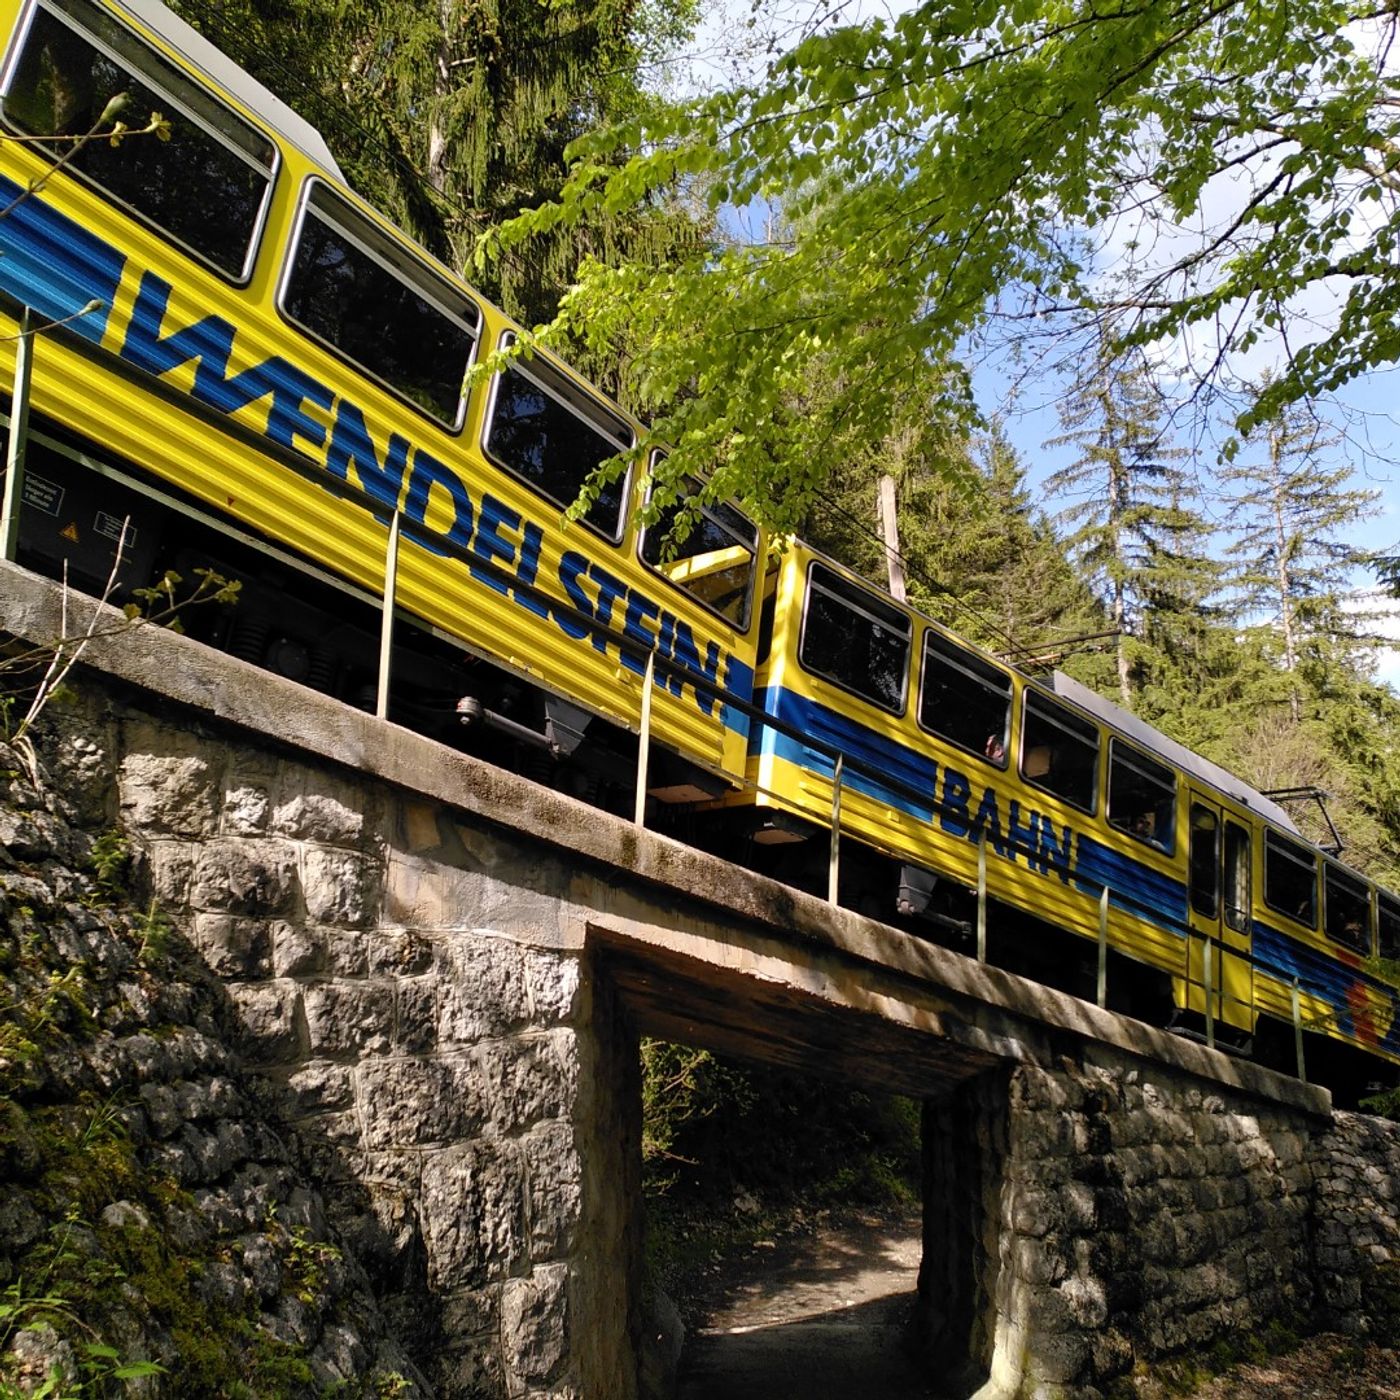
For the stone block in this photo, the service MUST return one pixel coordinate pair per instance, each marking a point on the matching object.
(296, 951)
(553, 1185)
(416, 1018)
(337, 887)
(233, 946)
(472, 1312)
(1036, 1213)
(245, 810)
(168, 781)
(244, 877)
(472, 1203)
(553, 981)
(530, 1078)
(1080, 1206)
(473, 1371)
(535, 1323)
(347, 952)
(170, 867)
(320, 1087)
(315, 806)
(271, 1018)
(482, 991)
(83, 763)
(344, 1018)
(419, 1102)
(1061, 1359)
(1034, 1263)
(1086, 1301)
(404, 954)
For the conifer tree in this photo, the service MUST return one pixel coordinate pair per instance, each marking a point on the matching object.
(1184, 649)
(1013, 571)
(1290, 514)
(1126, 495)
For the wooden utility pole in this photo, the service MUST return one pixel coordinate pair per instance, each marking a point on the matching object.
(889, 532)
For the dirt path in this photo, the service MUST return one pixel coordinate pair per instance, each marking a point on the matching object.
(821, 1313)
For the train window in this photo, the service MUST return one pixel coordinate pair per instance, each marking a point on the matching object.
(1204, 861)
(1060, 750)
(553, 435)
(1141, 796)
(965, 699)
(855, 638)
(359, 292)
(1346, 908)
(715, 561)
(1236, 877)
(1290, 879)
(207, 186)
(1389, 926)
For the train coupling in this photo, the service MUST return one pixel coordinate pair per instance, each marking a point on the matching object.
(563, 731)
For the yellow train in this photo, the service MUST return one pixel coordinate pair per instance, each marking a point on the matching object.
(961, 775)
(237, 363)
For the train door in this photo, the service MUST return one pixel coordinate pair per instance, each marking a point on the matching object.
(1218, 915)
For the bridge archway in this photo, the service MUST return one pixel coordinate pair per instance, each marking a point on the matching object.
(734, 1013)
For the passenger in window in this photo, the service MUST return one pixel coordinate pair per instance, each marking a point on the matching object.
(994, 748)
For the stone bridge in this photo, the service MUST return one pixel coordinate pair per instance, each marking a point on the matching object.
(443, 971)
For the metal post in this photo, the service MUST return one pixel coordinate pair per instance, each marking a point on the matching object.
(18, 440)
(386, 620)
(639, 813)
(1103, 947)
(833, 876)
(1298, 1031)
(1210, 1009)
(982, 895)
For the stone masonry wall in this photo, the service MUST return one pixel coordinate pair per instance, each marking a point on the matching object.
(1356, 1225)
(1144, 1216)
(1137, 1216)
(149, 1199)
(403, 985)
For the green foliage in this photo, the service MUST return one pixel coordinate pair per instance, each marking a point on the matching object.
(714, 1127)
(154, 932)
(1292, 517)
(958, 169)
(110, 859)
(1386, 1104)
(161, 601)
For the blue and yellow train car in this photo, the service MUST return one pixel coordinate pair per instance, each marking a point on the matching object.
(234, 362)
(958, 773)
(219, 321)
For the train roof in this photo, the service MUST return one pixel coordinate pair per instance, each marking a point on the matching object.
(194, 47)
(1177, 754)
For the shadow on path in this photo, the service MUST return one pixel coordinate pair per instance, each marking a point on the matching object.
(822, 1316)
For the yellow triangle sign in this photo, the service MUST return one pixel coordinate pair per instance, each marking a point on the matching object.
(71, 533)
